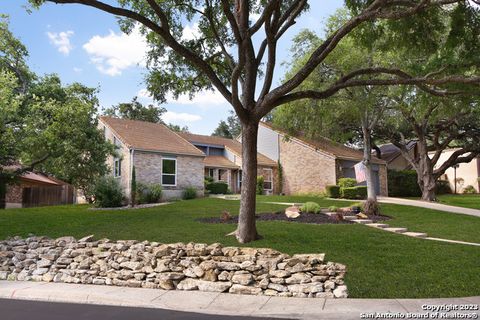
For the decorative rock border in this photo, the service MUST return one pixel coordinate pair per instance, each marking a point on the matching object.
(192, 266)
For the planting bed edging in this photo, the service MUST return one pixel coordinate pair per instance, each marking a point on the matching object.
(192, 266)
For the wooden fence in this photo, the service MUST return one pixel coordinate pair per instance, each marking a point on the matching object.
(47, 196)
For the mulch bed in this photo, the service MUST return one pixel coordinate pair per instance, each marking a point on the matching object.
(319, 218)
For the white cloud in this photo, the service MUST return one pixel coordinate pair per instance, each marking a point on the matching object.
(191, 32)
(144, 94)
(61, 40)
(174, 117)
(77, 70)
(116, 52)
(203, 98)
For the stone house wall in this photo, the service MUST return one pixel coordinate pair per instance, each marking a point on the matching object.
(304, 168)
(190, 172)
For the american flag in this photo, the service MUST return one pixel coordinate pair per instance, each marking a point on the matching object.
(360, 172)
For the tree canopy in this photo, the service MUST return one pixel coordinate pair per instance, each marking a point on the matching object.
(135, 110)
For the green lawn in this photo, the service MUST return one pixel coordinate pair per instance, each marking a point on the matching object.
(461, 200)
(380, 264)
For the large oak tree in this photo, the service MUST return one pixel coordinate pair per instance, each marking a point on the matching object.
(226, 57)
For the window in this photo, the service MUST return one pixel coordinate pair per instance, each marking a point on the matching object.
(267, 179)
(239, 179)
(211, 172)
(117, 167)
(169, 172)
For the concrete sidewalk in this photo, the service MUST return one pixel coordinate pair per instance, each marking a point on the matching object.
(223, 303)
(430, 205)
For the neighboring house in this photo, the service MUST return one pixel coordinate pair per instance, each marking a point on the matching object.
(160, 156)
(467, 174)
(394, 158)
(35, 189)
(223, 162)
(310, 165)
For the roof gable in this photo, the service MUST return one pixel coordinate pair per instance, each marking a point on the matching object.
(148, 136)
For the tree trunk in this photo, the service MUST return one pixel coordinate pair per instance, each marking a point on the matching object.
(247, 230)
(367, 162)
(3, 193)
(427, 183)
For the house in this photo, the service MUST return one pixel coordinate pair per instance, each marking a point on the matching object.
(394, 158)
(223, 162)
(35, 189)
(160, 156)
(310, 165)
(462, 175)
(179, 160)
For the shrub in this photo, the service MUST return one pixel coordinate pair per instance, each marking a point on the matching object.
(217, 188)
(347, 182)
(311, 207)
(332, 191)
(151, 193)
(260, 181)
(469, 190)
(107, 193)
(443, 187)
(189, 193)
(333, 209)
(359, 192)
(403, 183)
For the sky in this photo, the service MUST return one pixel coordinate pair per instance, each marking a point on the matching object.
(85, 45)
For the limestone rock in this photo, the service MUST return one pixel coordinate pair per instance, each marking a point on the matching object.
(241, 289)
(219, 286)
(340, 292)
(292, 212)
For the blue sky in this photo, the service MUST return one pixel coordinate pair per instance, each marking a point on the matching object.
(85, 45)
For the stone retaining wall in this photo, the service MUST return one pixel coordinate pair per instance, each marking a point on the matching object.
(192, 266)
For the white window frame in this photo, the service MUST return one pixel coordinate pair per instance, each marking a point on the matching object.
(170, 174)
(271, 177)
(211, 173)
(218, 175)
(239, 179)
(117, 172)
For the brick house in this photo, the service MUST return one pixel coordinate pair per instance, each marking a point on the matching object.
(176, 160)
(180, 160)
(310, 165)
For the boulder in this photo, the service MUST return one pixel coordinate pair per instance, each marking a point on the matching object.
(292, 212)
(241, 289)
(340, 292)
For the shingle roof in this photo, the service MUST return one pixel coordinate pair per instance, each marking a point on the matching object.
(328, 146)
(150, 136)
(219, 162)
(230, 144)
(390, 151)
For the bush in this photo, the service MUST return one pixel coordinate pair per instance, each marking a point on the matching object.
(469, 190)
(333, 209)
(260, 181)
(359, 192)
(217, 188)
(189, 193)
(151, 193)
(403, 183)
(311, 207)
(443, 187)
(347, 182)
(332, 191)
(107, 193)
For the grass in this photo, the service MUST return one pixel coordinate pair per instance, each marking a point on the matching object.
(461, 200)
(380, 264)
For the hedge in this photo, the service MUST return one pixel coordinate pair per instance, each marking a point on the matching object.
(332, 191)
(403, 183)
(347, 182)
(217, 188)
(359, 192)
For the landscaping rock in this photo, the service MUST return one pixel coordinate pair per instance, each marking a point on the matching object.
(192, 266)
(292, 212)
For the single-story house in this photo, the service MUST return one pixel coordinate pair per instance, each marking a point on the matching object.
(394, 158)
(35, 189)
(310, 165)
(179, 160)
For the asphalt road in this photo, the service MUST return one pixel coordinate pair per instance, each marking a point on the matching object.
(24, 309)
